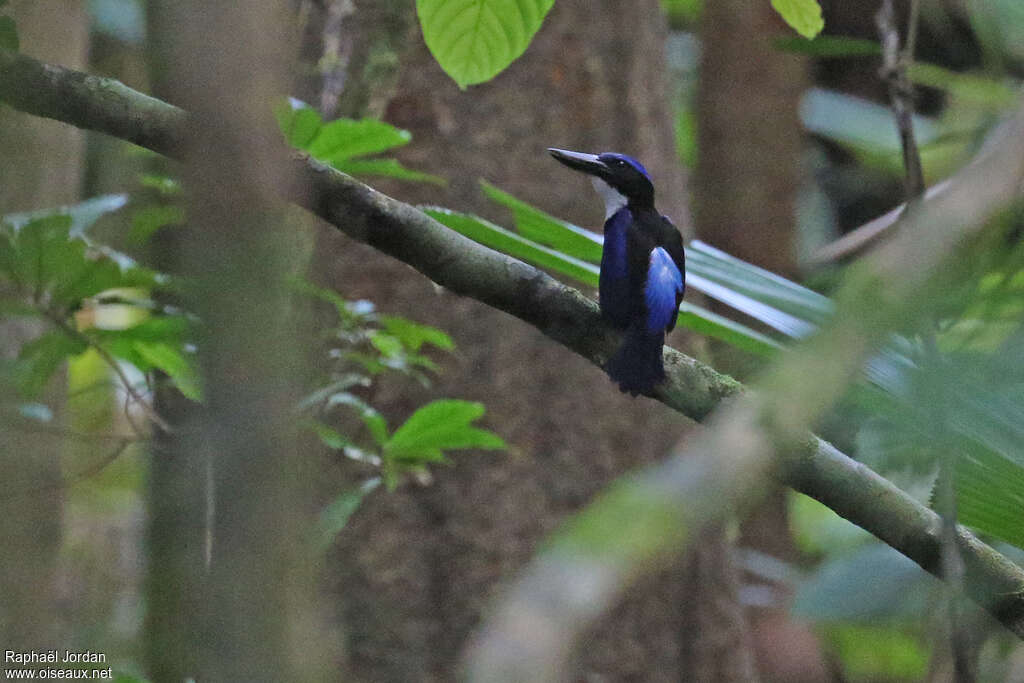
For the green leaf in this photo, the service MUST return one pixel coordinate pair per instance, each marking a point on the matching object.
(829, 46)
(373, 420)
(343, 139)
(299, 123)
(538, 226)
(49, 259)
(474, 40)
(166, 186)
(693, 317)
(970, 87)
(335, 516)
(780, 303)
(389, 168)
(83, 215)
(990, 495)
(389, 346)
(414, 335)
(178, 366)
(41, 357)
(168, 329)
(879, 652)
(438, 426)
(508, 242)
(804, 16)
(329, 436)
(9, 34)
(149, 219)
(719, 327)
(857, 124)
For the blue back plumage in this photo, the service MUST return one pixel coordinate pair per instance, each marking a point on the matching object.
(664, 285)
(613, 284)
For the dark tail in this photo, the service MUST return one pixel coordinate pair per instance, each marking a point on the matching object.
(637, 365)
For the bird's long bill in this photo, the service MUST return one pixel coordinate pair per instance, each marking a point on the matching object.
(579, 161)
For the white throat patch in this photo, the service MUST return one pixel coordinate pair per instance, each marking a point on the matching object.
(613, 199)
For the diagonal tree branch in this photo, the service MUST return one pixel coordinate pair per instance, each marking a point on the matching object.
(804, 462)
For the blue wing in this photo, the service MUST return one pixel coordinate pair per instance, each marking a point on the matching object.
(613, 284)
(662, 290)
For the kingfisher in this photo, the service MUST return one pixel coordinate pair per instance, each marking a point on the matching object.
(643, 266)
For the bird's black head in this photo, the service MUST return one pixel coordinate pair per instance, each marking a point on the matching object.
(622, 173)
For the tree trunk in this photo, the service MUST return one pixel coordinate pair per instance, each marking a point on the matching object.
(251, 620)
(415, 568)
(41, 168)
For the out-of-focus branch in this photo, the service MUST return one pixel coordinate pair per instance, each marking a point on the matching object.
(901, 95)
(859, 240)
(896, 64)
(806, 383)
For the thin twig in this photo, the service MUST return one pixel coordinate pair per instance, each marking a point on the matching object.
(901, 96)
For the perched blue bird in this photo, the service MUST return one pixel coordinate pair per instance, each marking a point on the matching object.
(642, 266)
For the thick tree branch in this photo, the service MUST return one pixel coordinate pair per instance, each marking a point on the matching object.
(807, 464)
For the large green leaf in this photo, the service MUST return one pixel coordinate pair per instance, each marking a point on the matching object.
(474, 40)
(510, 243)
(708, 323)
(759, 293)
(803, 15)
(344, 139)
(538, 226)
(439, 426)
(388, 168)
(990, 495)
(496, 237)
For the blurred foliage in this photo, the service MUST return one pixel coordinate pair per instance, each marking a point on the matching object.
(8, 31)
(682, 13)
(50, 270)
(123, 20)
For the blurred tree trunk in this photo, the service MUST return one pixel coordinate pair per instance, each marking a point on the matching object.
(415, 568)
(41, 166)
(249, 615)
(748, 177)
